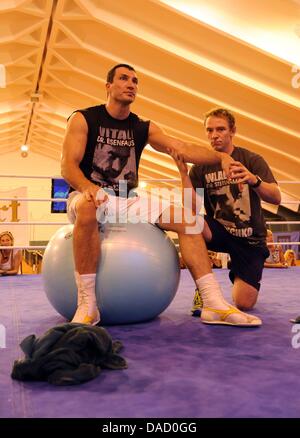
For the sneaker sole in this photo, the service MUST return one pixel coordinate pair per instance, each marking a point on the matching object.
(231, 324)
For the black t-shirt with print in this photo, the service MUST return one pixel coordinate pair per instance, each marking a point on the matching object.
(113, 149)
(236, 206)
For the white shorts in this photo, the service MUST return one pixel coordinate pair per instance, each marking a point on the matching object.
(141, 208)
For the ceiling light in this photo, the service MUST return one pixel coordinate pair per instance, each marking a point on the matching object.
(24, 150)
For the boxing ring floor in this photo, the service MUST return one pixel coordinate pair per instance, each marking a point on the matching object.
(177, 367)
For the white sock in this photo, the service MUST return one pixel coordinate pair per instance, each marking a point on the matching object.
(211, 292)
(86, 284)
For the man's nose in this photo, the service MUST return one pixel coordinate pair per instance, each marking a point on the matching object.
(116, 165)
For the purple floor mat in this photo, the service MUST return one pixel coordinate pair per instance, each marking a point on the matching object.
(177, 367)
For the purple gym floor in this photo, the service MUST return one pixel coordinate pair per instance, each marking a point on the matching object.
(177, 367)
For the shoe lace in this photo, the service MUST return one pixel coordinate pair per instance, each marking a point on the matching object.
(83, 298)
(197, 299)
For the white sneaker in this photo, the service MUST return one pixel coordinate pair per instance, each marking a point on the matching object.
(82, 316)
(87, 312)
(230, 316)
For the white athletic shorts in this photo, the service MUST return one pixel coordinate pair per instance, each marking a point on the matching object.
(141, 208)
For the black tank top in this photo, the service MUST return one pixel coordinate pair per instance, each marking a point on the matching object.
(113, 149)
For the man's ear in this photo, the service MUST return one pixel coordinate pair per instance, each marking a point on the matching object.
(233, 130)
(107, 86)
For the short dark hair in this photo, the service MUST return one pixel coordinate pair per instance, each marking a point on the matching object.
(112, 71)
(221, 112)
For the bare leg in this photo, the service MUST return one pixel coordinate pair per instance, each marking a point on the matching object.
(86, 243)
(86, 248)
(243, 294)
(193, 249)
(192, 246)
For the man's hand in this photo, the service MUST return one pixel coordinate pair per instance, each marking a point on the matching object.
(226, 162)
(241, 174)
(179, 160)
(90, 193)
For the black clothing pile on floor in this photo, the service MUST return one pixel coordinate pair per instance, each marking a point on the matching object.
(68, 354)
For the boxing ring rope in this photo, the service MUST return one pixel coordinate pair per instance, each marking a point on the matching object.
(24, 247)
(34, 223)
(45, 246)
(28, 247)
(34, 199)
(28, 176)
(64, 200)
(146, 180)
(67, 223)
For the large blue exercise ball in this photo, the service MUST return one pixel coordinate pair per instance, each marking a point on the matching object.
(137, 275)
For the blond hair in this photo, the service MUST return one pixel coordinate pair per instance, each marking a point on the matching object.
(9, 234)
(288, 253)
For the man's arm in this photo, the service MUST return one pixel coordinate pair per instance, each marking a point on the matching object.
(74, 146)
(268, 192)
(190, 152)
(186, 182)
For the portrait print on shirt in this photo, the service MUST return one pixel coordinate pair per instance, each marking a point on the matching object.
(230, 202)
(114, 158)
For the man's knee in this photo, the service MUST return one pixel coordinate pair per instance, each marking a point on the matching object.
(245, 301)
(244, 295)
(85, 211)
(189, 223)
(244, 305)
